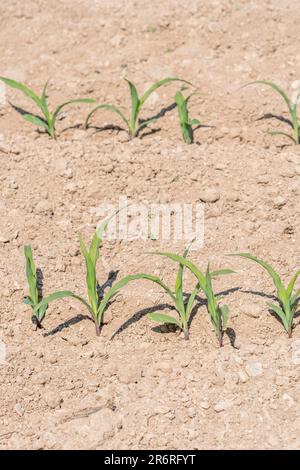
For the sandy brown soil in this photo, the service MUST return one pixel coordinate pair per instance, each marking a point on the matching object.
(148, 388)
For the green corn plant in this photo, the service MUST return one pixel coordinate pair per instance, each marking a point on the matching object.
(133, 123)
(33, 298)
(287, 296)
(186, 124)
(182, 304)
(218, 315)
(48, 119)
(95, 305)
(292, 108)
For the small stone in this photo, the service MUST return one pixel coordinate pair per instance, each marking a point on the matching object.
(53, 400)
(222, 405)
(19, 409)
(254, 369)
(279, 202)
(209, 195)
(205, 405)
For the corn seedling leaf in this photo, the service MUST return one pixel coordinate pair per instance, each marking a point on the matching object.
(122, 283)
(285, 134)
(61, 295)
(291, 285)
(280, 313)
(109, 107)
(31, 274)
(76, 101)
(44, 105)
(40, 314)
(91, 278)
(191, 301)
(36, 121)
(225, 315)
(19, 86)
(162, 318)
(157, 85)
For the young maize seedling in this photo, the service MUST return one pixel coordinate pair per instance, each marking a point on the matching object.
(218, 315)
(95, 305)
(34, 296)
(48, 121)
(287, 296)
(183, 304)
(186, 123)
(133, 124)
(292, 108)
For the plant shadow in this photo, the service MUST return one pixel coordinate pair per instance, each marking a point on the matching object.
(111, 278)
(141, 313)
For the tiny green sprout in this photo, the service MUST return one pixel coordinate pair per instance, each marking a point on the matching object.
(151, 29)
(292, 108)
(184, 305)
(186, 124)
(134, 125)
(34, 296)
(287, 297)
(95, 304)
(48, 119)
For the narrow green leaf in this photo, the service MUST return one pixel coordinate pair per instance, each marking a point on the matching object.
(40, 314)
(135, 104)
(291, 285)
(277, 89)
(281, 292)
(76, 101)
(91, 278)
(28, 301)
(20, 86)
(125, 280)
(191, 300)
(157, 85)
(225, 315)
(44, 105)
(109, 107)
(61, 295)
(222, 272)
(36, 121)
(285, 134)
(280, 313)
(188, 264)
(146, 124)
(31, 274)
(94, 249)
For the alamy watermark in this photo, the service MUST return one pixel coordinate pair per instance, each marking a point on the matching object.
(174, 221)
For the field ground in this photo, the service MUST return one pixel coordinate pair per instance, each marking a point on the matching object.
(147, 388)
